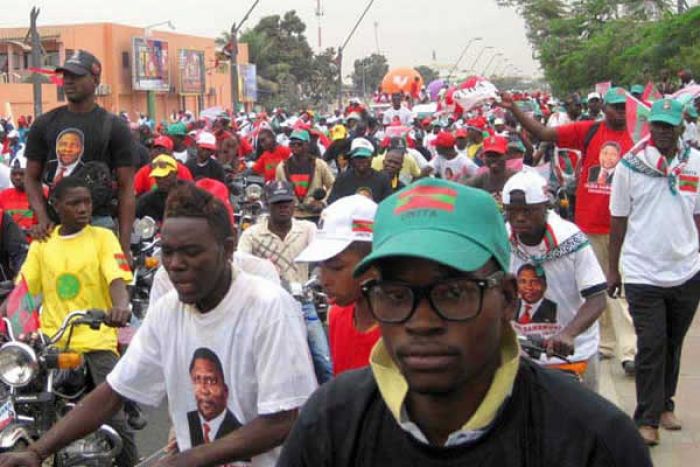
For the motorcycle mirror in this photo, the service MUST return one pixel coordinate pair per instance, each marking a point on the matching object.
(319, 194)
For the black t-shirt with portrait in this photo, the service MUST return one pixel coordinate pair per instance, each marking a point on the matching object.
(78, 138)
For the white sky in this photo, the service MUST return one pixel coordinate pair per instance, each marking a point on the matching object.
(408, 30)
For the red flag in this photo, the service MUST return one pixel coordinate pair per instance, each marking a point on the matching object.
(651, 93)
(637, 118)
(22, 309)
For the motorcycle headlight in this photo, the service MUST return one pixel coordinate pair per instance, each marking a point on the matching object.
(18, 364)
(253, 192)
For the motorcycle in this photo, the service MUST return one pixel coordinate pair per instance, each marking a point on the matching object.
(145, 249)
(534, 347)
(41, 384)
(246, 194)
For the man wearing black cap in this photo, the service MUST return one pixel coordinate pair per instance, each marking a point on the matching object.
(79, 132)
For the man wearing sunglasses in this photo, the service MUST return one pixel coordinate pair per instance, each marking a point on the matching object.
(446, 385)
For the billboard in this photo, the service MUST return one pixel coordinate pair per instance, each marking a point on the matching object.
(247, 82)
(191, 69)
(151, 71)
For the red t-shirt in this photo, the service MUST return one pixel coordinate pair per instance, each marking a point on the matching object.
(350, 348)
(268, 161)
(143, 182)
(605, 150)
(16, 204)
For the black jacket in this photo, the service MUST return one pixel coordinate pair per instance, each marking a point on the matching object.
(229, 425)
(549, 420)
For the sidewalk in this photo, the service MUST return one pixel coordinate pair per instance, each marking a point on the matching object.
(676, 449)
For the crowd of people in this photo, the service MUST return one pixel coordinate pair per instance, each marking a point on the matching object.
(443, 243)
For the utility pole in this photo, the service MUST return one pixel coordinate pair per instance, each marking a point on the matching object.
(36, 60)
(341, 49)
(376, 36)
(233, 41)
(319, 16)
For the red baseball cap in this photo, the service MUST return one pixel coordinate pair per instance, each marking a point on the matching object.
(445, 140)
(495, 144)
(163, 142)
(461, 133)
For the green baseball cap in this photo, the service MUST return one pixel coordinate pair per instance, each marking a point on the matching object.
(691, 110)
(301, 135)
(637, 89)
(442, 221)
(616, 95)
(667, 111)
(176, 129)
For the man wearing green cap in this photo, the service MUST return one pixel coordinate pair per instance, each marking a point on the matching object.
(446, 385)
(637, 91)
(591, 211)
(655, 209)
(361, 178)
(177, 132)
(308, 174)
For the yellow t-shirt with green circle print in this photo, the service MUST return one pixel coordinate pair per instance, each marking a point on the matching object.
(72, 273)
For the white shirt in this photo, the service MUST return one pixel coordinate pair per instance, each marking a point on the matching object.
(570, 279)
(405, 116)
(257, 332)
(661, 244)
(181, 156)
(5, 176)
(454, 169)
(690, 135)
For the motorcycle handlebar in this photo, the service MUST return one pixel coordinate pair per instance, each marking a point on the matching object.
(92, 318)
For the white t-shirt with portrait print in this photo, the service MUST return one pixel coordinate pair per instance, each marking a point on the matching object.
(570, 279)
(258, 334)
(454, 169)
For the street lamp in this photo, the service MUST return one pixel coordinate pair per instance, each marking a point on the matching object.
(461, 56)
(483, 49)
(493, 57)
(342, 48)
(233, 38)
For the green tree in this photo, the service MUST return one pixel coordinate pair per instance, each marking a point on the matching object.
(368, 74)
(427, 73)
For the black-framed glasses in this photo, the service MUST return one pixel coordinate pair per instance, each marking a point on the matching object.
(452, 299)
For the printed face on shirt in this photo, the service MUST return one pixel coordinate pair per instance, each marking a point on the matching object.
(210, 390)
(609, 155)
(69, 146)
(531, 287)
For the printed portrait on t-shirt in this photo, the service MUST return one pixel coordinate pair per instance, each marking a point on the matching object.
(365, 191)
(602, 174)
(212, 419)
(533, 307)
(70, 145)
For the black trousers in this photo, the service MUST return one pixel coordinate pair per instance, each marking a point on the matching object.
(661, 316)
(100, 363)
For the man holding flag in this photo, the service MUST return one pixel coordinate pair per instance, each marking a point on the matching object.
(592, 213)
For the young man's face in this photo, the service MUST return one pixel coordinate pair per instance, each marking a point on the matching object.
(228, 151)
(439, 357)
(337, 280)
(297, 147)
(166, 183)
(193, 257)
(616, 116)
(17, 179)
(78, 88)
(210, 390)
(281, 212)
(393, 162)
(361, 165)
(665, 136)
(74, 208)
(461, 142)
(495, 162)
(594, 106)
(204, 154)
(525, 219)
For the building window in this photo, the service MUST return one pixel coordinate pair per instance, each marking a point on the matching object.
(125, 60)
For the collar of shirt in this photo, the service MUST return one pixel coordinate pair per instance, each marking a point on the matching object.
(265, 230)
(214, 424)
(393, 388)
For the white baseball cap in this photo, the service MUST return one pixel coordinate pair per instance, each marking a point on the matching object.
(594, 95)
(529, 182)
(361, 147)
(206, 140)
(348, 220)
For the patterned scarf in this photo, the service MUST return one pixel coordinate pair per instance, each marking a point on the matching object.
(560, 239)
(647, 160)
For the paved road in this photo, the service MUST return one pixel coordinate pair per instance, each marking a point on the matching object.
(154, 436)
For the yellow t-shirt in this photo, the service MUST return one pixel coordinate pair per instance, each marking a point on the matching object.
(473, 150)
(73, 273)
(409, 168)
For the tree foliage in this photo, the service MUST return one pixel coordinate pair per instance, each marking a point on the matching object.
(427, 73)
(289, 73)
(368, 73)
(582, 42)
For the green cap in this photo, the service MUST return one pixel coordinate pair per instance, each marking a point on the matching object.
(667, 111)
(301, 135)
(441, 221)
(177, 129)
(637, 89)
(616, 95)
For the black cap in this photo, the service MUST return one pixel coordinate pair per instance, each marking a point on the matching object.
(81, 63)
(279, 191)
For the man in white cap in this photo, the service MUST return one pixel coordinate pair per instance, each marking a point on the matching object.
(555, 266)
(345, 239)
(361, 178)
(595, 108)
(204, 165)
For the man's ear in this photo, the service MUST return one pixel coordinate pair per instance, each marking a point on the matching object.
(230, 245)
(509, 286)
